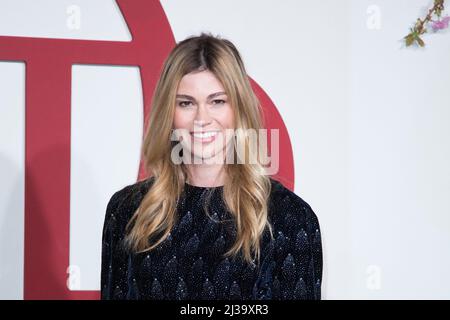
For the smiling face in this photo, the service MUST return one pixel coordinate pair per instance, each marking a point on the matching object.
(204, 113)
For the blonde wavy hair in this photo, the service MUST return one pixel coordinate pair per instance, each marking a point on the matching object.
(247, 187)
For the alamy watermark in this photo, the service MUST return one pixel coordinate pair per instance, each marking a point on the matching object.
(217, 147)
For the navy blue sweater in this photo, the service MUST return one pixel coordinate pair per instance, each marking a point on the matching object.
(189, 263)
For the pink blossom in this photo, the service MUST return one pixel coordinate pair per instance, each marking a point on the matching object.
(441, 24)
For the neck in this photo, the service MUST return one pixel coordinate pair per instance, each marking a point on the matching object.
(206, 175)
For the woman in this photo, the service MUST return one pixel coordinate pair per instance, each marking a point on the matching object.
(202, 227)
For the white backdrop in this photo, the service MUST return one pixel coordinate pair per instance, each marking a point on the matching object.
(368, 121)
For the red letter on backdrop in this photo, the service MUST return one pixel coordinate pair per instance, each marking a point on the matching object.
(47, 144)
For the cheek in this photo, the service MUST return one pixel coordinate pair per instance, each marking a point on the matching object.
(180, 119)
(181, 124)
(227, 118)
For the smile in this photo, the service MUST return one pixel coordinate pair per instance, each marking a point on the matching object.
(207, 136)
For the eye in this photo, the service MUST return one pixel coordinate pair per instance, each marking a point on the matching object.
(219, 101)
(184, 103)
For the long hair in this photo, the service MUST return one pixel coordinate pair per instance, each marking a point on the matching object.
(247, 188)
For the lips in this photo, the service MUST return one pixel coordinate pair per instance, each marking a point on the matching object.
(204, 136)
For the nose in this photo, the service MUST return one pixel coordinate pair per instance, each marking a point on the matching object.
(202, 118)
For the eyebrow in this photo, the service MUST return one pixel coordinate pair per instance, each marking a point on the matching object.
(212, 95)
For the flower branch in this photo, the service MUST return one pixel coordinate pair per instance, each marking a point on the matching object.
(420, 28)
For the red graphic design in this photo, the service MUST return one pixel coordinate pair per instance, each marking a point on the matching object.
(47, 145)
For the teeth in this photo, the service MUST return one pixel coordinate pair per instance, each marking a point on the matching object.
(204, 135)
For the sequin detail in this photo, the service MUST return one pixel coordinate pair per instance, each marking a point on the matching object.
(189, 264)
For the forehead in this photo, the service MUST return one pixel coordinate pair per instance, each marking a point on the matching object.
(199, 83)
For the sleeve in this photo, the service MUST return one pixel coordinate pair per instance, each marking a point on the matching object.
(113, 269)
(316, 265)
(298, 254)
(293, 268)
(300, 276)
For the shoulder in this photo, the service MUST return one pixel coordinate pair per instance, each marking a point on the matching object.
(289, 212)
(125, 201)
